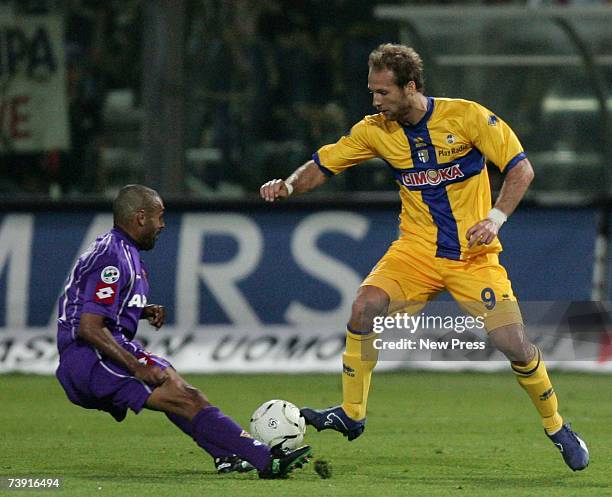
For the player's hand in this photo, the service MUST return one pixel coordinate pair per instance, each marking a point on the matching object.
(482, 233)
(155, 314)
(153, 375)
(274, 190)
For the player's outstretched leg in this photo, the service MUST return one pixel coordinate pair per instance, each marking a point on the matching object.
(358, 362)
(533, 377)
(209, 426)
(225, 461)
(530, 371)
(212, 426)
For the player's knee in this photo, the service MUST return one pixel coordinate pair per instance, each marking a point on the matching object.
(370, 302)
(182, 398)
(197, 399)
(522, 354)
(512, 342)
(192, 395)
(191, 400)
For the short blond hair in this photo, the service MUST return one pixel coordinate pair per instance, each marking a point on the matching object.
(404, 61)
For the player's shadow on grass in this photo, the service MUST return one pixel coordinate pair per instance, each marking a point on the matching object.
(499, 482)
(109, 475)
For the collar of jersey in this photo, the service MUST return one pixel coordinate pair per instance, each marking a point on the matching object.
(124, 236)
(425, 118)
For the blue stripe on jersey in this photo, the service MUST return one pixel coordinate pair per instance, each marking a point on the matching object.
(442, 214)
(515, 161)
(435, 197)
(324, 170)
(421, 149)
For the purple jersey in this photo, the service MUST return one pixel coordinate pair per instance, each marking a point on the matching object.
(109, 280)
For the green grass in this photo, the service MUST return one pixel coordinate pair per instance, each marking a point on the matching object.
(428, 434)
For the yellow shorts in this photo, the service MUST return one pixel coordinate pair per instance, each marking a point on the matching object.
(412, 276)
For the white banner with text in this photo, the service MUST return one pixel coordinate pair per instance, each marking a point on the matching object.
(283, 349)
(33, 105)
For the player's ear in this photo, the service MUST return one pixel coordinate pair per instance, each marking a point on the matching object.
(141, 217)
(410, 87)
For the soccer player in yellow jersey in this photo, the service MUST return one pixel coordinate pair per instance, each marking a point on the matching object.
(436, 148)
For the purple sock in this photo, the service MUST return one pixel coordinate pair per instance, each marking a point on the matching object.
(212, 426)
(185, 426)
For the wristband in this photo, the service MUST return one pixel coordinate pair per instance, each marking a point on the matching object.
(497, 216)
(289, 188)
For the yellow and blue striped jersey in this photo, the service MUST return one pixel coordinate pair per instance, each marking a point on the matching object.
(439, 164)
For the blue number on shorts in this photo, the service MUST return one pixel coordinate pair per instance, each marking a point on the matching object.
(488, 297)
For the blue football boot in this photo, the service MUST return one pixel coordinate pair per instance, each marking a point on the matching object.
(573, 449)
(333, 418)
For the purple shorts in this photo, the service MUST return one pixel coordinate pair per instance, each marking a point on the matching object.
(95, 382)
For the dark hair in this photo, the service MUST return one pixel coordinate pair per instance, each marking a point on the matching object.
(131, 199)
(404, 61)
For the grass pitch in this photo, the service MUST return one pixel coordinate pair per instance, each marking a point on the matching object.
(428, 434)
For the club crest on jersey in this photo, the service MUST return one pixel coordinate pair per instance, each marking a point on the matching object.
(423, 155)
(110, 274)
(138, 301)
(432, 176)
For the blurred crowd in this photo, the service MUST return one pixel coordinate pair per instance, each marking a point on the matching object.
(266, 84)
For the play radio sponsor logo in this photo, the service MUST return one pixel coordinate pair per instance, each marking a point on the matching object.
(432, 176)
(448, 152)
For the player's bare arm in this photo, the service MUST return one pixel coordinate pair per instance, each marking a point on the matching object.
(513, 190)
(305, 178)
(155, 314)
(93, 331)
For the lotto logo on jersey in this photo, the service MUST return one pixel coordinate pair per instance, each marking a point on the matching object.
(432, 176)
(105, 293)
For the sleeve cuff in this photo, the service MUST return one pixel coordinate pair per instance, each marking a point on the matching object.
(324, 170)
(518, 158)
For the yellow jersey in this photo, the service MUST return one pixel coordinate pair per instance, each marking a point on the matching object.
(439, 165)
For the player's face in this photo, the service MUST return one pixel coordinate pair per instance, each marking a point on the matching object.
(388, 98)
(153, 225)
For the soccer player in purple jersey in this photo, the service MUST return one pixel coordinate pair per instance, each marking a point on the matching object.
(103, 367)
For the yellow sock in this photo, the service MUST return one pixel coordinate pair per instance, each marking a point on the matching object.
(534, 379)
(358, 361)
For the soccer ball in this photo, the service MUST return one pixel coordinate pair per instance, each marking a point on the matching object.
(278, 423)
